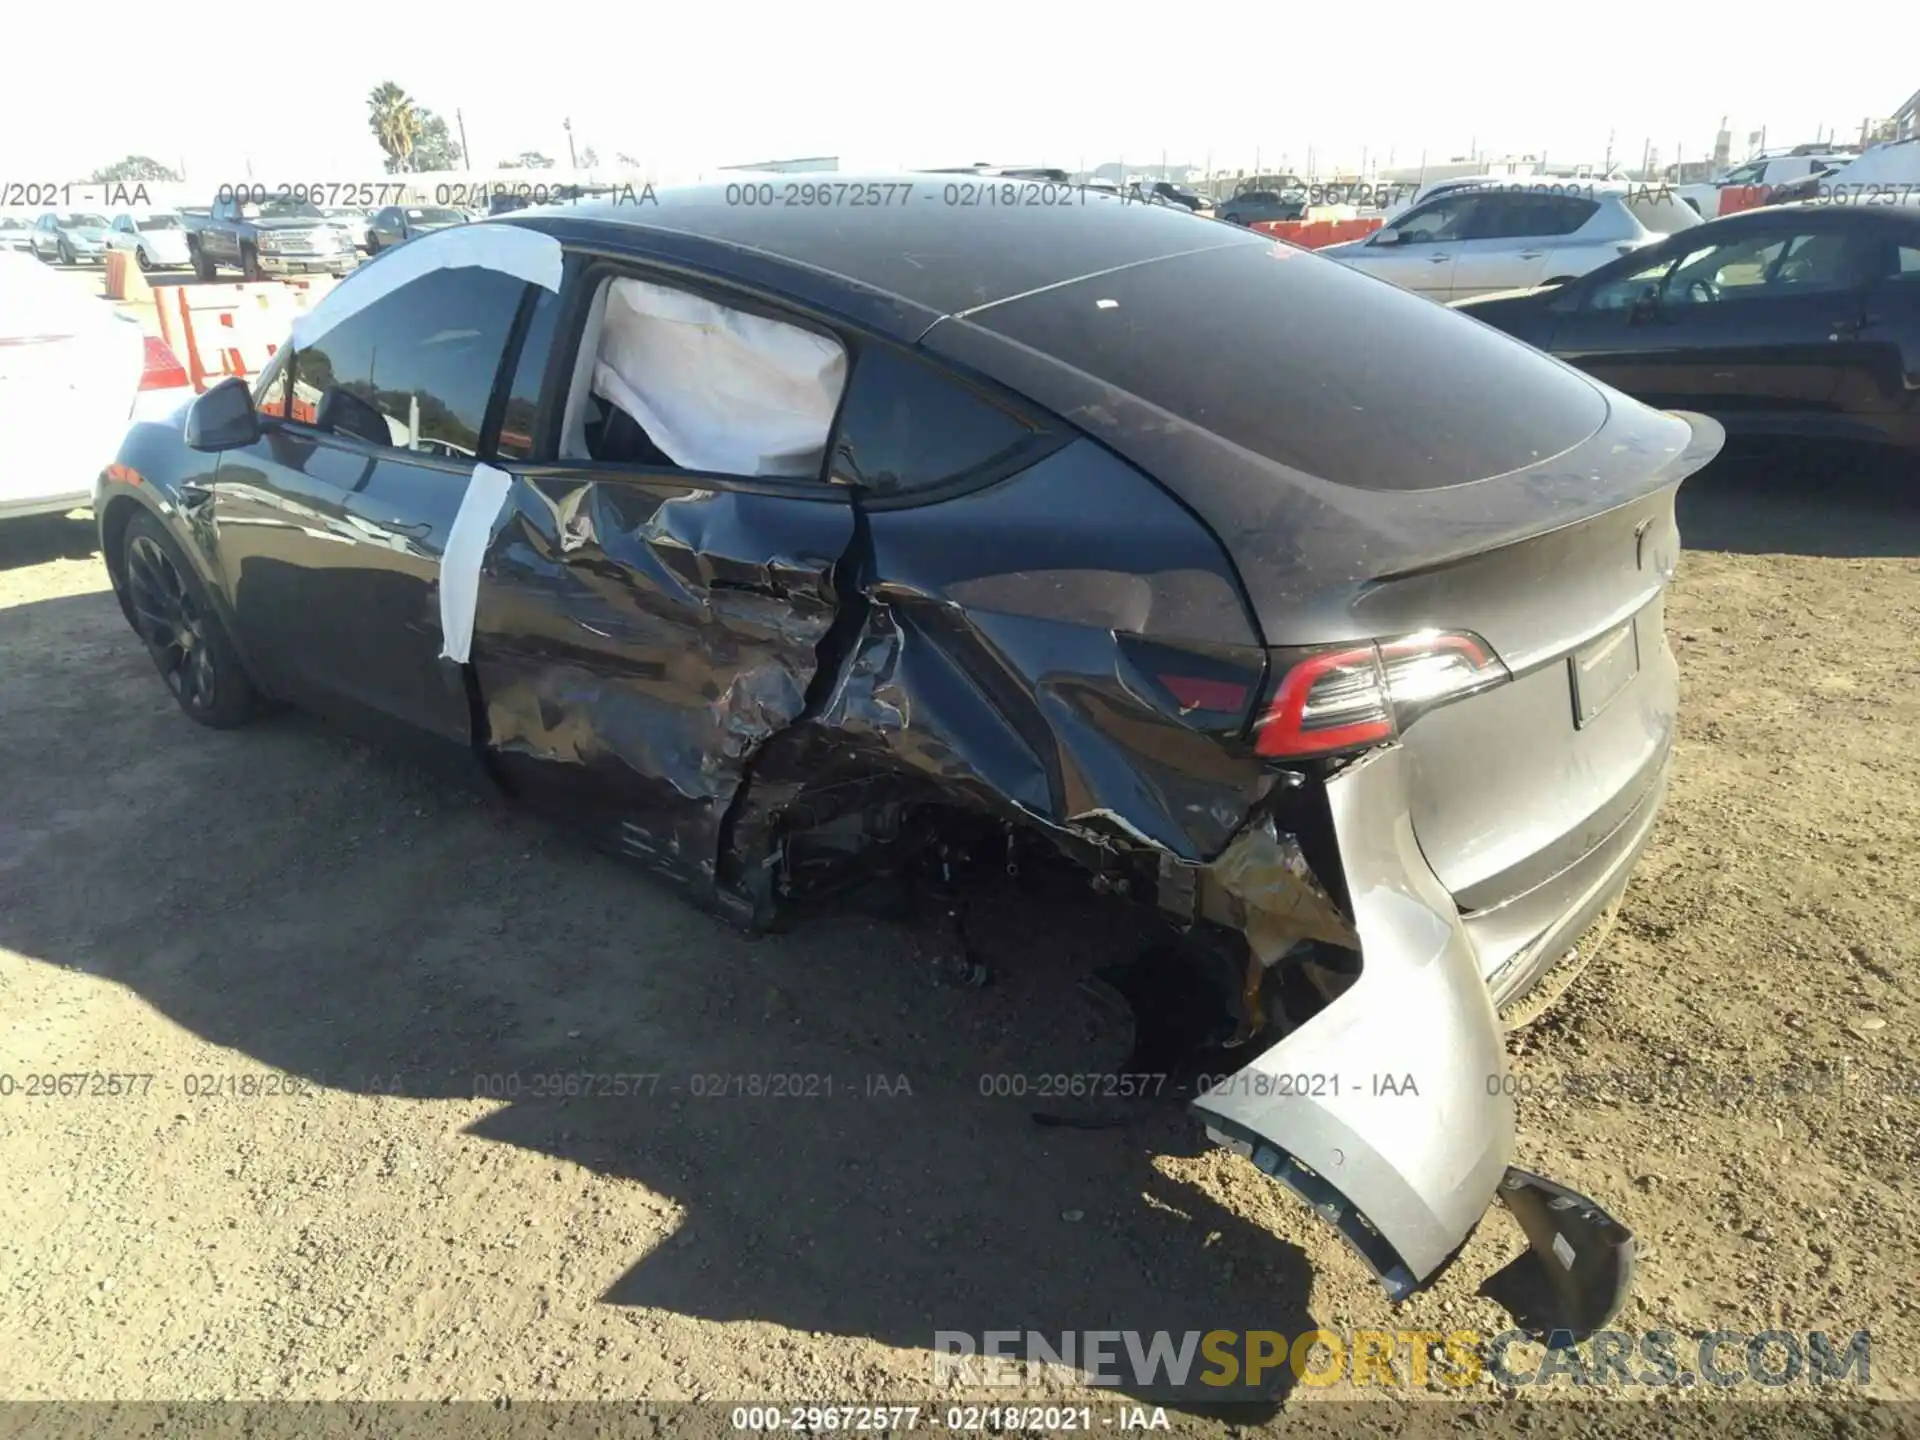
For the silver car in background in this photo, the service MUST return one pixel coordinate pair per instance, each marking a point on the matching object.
(67, 237)
(158, 239)
(1513, 235)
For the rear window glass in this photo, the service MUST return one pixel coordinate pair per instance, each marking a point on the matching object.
(1662, 212)
(1299, 359)
(906, 427)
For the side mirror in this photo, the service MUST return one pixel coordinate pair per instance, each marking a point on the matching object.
(223, 418)
(1386, 236)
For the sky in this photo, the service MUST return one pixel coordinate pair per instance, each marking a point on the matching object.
(686, 88)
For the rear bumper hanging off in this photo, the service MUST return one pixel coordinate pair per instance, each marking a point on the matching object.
(1389, 1112)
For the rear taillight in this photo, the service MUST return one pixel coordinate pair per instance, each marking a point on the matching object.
(163, 369)
(1353, 696)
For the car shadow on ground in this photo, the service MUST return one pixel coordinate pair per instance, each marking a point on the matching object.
(1784, 499)
(336, 913)
(40, 538)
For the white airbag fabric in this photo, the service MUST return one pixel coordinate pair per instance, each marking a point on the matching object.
(715, 388)
(467, 541)
(512, 249)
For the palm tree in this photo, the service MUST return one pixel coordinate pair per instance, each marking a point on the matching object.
(395, 123)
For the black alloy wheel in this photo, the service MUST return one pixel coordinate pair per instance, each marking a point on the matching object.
(188, 644)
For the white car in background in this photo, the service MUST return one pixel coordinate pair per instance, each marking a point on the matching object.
(73, 373)
(1514, 234)
(158, 239)
(1772, 171)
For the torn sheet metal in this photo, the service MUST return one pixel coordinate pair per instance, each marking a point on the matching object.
(1386, 1111)
(1280, 901)
(638, 642)
(480, 509)
(716, 388)
(534, 256)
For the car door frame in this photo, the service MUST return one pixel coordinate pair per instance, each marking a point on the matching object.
(287, 503)
(1882, 392)
(1403, 260)
(1677, 365)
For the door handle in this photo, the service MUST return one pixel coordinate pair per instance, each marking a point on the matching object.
(1438, 259)
(1531, 254)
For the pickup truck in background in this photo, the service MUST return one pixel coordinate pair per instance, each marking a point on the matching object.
(267, 238)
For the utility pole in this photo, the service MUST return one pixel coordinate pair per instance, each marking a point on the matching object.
(460, 120)
(572, 162)
(1609, 164)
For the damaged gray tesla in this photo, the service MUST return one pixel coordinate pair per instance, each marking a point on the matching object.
(787, 546)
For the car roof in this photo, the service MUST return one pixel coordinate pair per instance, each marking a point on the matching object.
(932, 246)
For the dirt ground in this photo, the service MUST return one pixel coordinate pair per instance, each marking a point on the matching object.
(282, 909)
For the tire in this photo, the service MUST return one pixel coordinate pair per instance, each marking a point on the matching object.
(64, 255)
(182, 632)
(203, 268)
(140, 257)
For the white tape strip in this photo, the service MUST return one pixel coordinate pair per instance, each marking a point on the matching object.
(513, 249)
(467, 541)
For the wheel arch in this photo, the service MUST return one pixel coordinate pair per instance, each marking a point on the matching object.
(116, 512)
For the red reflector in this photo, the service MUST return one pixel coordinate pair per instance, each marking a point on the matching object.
(125, 474)
(1194, 693)
(163, 370)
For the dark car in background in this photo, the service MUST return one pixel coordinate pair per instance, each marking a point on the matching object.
(397, 224)
(1796, 320)
(1256, 206)
(276, 237)
(1164, 192)
(779, 559)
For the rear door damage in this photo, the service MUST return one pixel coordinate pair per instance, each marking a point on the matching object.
(770, 691)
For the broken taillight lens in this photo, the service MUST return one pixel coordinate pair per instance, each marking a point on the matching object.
(1352, 696)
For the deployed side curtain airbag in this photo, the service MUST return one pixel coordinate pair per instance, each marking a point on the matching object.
(715, 388)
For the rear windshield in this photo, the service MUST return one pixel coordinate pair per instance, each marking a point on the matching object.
(435, 216)
(1304, 361)
(1662, 211)
(158, 222)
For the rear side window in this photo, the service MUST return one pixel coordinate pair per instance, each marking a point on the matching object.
(1300, 359)
(1520, 214)
(424, 358)
(908, 426)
